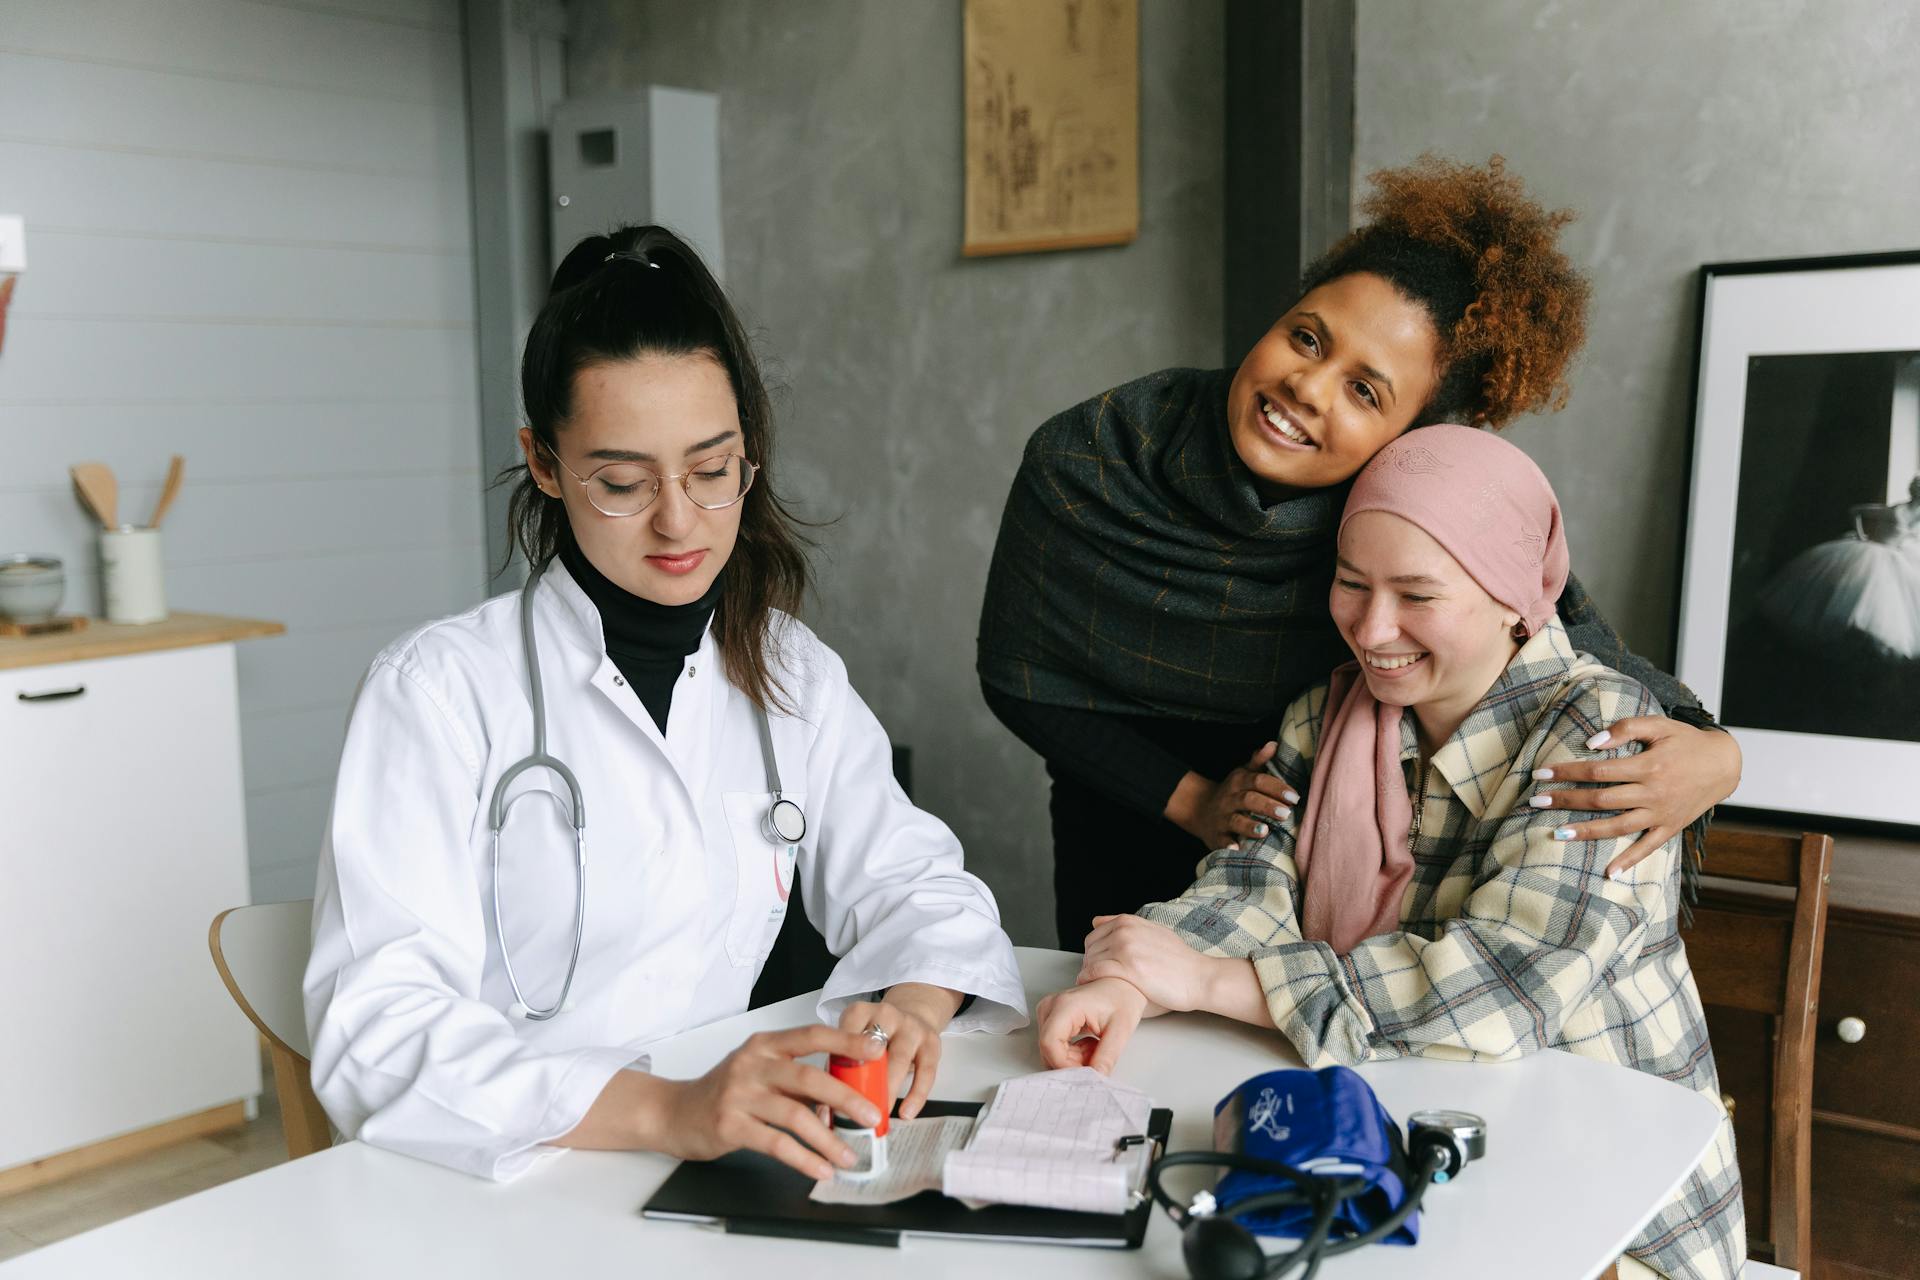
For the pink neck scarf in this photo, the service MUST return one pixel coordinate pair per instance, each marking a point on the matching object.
(1489, 506)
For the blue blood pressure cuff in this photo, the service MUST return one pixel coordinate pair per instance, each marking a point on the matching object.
(1322, 1122)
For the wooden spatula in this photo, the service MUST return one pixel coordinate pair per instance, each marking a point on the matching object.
(99, 490)
(175, 469)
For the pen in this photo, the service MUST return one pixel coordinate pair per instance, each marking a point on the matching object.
(880, 1236)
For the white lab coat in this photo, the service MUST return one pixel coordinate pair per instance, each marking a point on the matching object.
(407, 1002)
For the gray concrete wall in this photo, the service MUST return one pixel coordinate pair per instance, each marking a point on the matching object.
(914, 376)
(1683, 134)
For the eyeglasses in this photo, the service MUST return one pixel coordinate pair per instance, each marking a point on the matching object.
(628, 488)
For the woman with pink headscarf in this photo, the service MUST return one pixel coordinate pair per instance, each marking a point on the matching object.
(1427, 898)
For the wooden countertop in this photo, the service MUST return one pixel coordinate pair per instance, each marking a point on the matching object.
(112, 639)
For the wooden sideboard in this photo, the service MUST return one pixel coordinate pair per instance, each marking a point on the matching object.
(1866, 1092)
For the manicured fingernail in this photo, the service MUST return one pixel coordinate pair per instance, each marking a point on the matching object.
(1563, 833)
(1292, 796)
(846, 1160)
(1281, 811)
(1617, 874)
(1541, 802)
(1598, 740)
(1259, 828)
(1234, 847)
(1543, 775)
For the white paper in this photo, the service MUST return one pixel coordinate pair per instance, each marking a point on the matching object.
(916, 1152)
(1051, 1140)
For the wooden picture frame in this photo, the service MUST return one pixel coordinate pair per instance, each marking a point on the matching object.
(1052, 124)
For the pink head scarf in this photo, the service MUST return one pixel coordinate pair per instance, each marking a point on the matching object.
(1489, 506)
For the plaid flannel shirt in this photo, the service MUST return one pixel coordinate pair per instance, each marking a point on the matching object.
(1510, 940)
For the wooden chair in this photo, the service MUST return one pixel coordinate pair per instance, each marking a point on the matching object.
(261, 953)
(1755, 955)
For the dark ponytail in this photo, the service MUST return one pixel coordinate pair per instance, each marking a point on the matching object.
(643, 291)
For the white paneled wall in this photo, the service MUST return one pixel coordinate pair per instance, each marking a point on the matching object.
(248, 230)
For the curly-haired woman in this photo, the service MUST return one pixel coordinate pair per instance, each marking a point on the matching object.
(1158, 591)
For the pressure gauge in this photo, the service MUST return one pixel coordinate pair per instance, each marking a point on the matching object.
(1460, 1134)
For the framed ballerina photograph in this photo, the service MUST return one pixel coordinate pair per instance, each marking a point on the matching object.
(1800, 602)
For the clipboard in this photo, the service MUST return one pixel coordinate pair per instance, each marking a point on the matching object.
(752, 1194)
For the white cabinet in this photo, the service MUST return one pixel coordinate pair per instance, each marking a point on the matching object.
(122, 834)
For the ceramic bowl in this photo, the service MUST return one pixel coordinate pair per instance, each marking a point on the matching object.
(30, 587)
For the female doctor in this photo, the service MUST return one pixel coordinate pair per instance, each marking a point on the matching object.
(494, 945)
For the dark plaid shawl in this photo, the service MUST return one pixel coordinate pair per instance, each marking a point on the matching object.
(1137, 570)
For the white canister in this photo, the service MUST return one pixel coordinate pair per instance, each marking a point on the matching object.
(131, 578)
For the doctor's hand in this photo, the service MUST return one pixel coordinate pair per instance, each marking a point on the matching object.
(757, 1098)
(1679, 774)
(1244, 805)
(1106, 1010)
(913, 1014)
(1152, 958)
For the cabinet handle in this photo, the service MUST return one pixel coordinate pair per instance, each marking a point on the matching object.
(1851, 1030)
(54, 695)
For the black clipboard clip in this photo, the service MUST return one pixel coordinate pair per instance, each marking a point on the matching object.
(1123, 1145)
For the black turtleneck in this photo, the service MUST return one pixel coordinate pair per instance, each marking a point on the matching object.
(647, 641)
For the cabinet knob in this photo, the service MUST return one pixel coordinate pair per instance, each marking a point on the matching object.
(1851, 1030)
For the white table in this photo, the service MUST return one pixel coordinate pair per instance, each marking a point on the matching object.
(1579, 1155)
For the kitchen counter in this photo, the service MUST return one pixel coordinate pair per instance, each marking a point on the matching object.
(112, 639)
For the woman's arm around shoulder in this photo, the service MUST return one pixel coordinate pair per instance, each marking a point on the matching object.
(1690, 764)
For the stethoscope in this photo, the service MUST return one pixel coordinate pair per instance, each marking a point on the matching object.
(784, 824)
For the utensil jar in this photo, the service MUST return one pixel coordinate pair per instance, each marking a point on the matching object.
(131, 576)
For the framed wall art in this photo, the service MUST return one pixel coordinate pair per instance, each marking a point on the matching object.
(1799, 616)
(1052, 124)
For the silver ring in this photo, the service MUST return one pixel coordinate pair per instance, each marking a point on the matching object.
(875, 1031)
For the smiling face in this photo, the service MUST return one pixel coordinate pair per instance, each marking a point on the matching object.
(667, 413)
(1345, 371)
(1426, 634)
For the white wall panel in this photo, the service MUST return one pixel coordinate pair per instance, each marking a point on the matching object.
(143, 359)
(110, 275)
(234, 40)
(316, 666)
(395, 587)
(85, 104)
(249, 223)
(101, 190)
(287, 750)
(282, 852)
(442, 15)
(221, 522)
(261, 439)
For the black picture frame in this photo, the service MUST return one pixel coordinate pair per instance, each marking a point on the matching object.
(1798, 616)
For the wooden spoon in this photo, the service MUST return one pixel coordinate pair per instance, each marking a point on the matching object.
(99, 490)
(167, 493)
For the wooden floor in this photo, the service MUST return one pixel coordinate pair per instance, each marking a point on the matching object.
(29, 1219)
